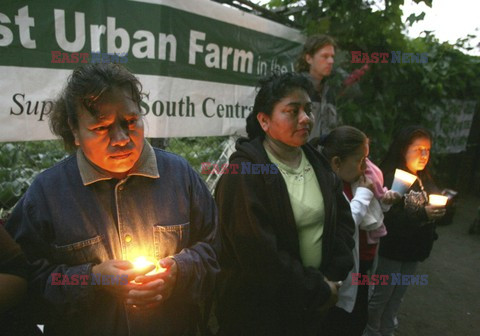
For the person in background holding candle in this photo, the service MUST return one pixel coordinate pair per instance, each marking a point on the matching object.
(286, 230)
(347, 149)
(114, 199)
(410, 225)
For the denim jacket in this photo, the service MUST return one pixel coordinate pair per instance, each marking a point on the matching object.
(71, 219)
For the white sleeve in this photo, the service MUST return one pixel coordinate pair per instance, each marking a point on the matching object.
(359, 204)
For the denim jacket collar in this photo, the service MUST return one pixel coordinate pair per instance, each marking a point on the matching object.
(145, 166)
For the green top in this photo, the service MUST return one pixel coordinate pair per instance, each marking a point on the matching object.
(307, 205)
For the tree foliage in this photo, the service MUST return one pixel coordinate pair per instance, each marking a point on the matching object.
(388, 95)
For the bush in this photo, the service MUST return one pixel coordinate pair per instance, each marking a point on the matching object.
(19, 164)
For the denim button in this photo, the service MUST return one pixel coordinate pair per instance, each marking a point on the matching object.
(128, 238)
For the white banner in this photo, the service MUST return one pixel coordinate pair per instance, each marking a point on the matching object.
(198, 60)
(175, 107)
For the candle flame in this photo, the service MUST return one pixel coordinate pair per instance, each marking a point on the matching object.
(143, 262)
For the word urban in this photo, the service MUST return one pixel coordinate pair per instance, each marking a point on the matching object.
(97, 57)
(142, 43)
(383, 279)
(234, 168)
(397, 57)
(59, 279)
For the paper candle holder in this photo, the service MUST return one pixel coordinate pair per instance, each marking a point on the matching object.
(437, 200)
(402, 181)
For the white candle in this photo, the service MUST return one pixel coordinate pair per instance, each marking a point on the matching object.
(404, 176)
(402, 181)
(437, 200)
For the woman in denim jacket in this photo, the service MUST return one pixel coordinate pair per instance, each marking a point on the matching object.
(83, 221)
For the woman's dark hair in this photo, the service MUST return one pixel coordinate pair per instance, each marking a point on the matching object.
(84, 87)
(342, 142)
(271, 90)
(311, 46)
(395, 157)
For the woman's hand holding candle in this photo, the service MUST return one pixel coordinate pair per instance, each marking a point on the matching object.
(151, 289)
(434, 212)
(142, 263)
(118, 269)
(436, 207)
(391, 197)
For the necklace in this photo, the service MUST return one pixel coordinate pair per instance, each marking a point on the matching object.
(298, 175)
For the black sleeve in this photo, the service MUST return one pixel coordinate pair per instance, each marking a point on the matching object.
(12, 259)
(341, 261)
(401, 220)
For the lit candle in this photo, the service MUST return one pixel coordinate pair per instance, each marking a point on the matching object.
(402, 181)
(437, 200)
(143, 262)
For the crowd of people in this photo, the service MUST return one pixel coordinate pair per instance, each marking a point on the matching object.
(269, 254)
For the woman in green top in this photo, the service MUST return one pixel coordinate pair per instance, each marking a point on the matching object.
(286, 227)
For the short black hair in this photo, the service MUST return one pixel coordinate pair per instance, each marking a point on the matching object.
(272, 89)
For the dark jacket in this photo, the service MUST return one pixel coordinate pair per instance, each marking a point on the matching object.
(161, 209)
(12, 259)
(410, 234)
(264, 288)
